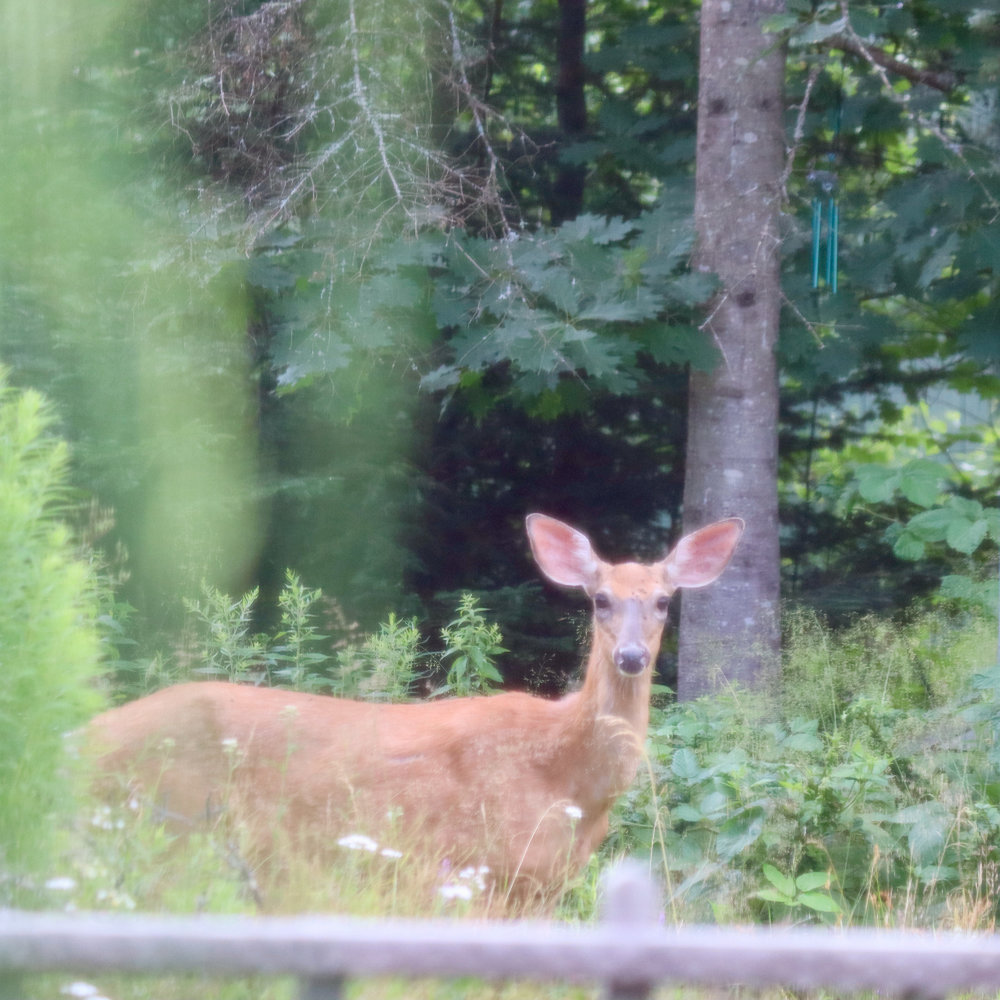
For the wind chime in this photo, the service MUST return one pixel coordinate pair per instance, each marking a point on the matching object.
(825, 211)
(824, 208)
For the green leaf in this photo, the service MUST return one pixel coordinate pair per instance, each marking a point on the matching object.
(929, 823)
(938, 260)
(271, 273)
(876, 483)
(738, 833)
(560, 288)
(776, 23)
(809, 881)
(920, 481)
(821, 902)
(783, 883)
(693, 288)
(958, 586)
(443, 377)
(642, 306)
(804, 736)
(685, 765)
(992, 517)
(714, 805)
(817, 31)
(670, 344)
(965, 536)
(909, 546)
(687, 813)
(931, 525)
(774, 896)
(597, 228)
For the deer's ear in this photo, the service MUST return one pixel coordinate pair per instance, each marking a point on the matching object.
(563, 554)
(699, 558)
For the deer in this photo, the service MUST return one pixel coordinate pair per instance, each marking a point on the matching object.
(513, 782)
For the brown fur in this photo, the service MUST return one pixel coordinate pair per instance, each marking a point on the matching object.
(483, 780)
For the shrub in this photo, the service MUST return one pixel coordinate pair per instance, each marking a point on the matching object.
(49, 649)
(868, 796)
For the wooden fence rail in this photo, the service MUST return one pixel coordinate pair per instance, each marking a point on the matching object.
(629, 952)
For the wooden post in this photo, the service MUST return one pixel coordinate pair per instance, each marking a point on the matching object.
(631, 902)
(322, 988)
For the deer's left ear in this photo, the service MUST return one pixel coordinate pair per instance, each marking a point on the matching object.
(698, 559)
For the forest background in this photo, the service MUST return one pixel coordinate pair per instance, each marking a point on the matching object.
(352, 288)
(349, 289)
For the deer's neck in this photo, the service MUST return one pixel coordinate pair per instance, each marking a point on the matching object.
(607, 692)
(608, 717)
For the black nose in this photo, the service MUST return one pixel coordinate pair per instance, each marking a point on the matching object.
(632, 659)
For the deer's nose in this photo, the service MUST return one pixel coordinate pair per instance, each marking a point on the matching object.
(632, 658)
(631, 654)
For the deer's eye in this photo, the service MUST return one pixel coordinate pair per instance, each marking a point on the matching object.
(602, 602)
(662, 604)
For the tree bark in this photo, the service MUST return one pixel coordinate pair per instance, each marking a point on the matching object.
(571, 106)
(729, 632)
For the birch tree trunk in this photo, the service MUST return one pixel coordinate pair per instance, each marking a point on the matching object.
(729, 632)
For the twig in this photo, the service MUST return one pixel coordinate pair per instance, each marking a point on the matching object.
(361, 97)
(799, 132)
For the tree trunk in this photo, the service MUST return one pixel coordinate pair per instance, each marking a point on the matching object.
(729, 632)
(571, 107)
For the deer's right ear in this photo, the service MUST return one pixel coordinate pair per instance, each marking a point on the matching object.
(563, 554)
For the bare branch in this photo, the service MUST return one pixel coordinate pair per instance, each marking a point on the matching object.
(850, 41)
(799, 132)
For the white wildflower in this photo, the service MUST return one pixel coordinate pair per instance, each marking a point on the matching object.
(574, 812)
(475, 875)
(456, 890)
(101, 819)
(79, 989)
(358, 842)
(61, 883)
(391, 853)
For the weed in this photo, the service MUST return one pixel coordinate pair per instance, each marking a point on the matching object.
(386, 667)
(293, 651)
(227, 647)
(470, 644)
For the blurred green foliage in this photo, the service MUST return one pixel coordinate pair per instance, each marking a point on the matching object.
(49, 650)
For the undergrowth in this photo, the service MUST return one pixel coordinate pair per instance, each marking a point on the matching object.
(865, 795)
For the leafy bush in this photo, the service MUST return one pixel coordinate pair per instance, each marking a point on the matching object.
(226, 647)
(49, 649)
(880, 807)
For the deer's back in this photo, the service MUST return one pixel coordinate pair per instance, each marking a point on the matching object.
(471, 779)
